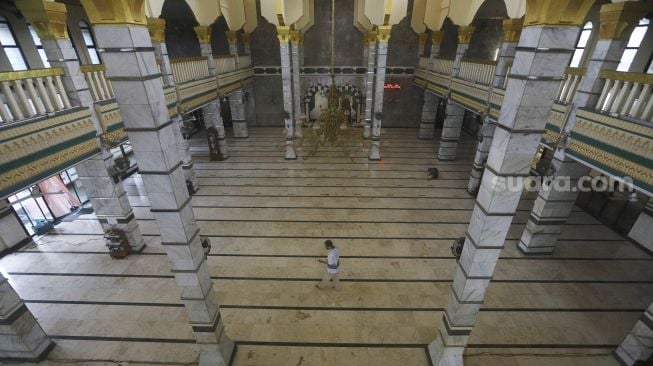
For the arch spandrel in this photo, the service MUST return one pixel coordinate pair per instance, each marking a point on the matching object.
(206, 12)
(417, 19)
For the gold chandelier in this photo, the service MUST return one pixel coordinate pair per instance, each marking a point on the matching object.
(331, 126)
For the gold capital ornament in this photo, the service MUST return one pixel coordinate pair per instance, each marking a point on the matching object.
(618, 19)
(570, 13)
(465, 34)
(512, 30)
(203, 33)
(246, 37)
(47, 17)
(296, 37)
(283, 33)
(437, 36)
(232, 37)
(370, 37)
(157, 28)
(116, 11)
(383, 33)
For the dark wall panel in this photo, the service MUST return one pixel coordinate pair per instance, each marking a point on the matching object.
(180, 35)
(219, 42)
(265, 45)
(269, 101)
(349, 40)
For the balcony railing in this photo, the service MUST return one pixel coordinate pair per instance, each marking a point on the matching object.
(479, 71)
(627, 94)
(570, 84)
(224, 64)
(245, 61)
(189, 68)
(98, 84)
(442, 66)
(26, 94)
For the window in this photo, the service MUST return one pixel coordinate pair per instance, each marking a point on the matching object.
(8, 42)
(634, 41)
(585, 35)
(89, 42)
(39, 46)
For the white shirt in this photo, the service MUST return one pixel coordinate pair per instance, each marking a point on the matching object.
(333, 260)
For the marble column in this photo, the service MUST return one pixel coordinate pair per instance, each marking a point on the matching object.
(641, 231)
(511, 32)
(21, 336)
(480, 158)
(232, 39)
(429, 114)
(236, 98)
(283, 33)
(123, 39)
(12, 233)
(453, 121)
(436, 42)
(370, 44)
(211, 110)
(296, 44)
(383, 36)
(545, 48)
(109, 199)
(553, 207)
(157, 26)
(637, 346)
(420, 46)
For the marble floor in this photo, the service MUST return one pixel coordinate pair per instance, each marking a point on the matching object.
(267, 219)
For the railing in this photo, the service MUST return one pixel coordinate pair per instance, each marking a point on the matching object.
(25, 94)
(627, 94)
(423, 63)
(245, 61)
(189, 68)
(570, 84)
(224, 64)
(480, 71)
(505, 78)
(442, 66)
(98, 84)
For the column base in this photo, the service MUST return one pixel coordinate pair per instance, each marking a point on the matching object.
(446, 157)
(443, 355)
(526, 250)
(130, 228)
(191, 178)
(426, 131)
(290, 151)
(472, 191)
(375, 153)
(240, 129)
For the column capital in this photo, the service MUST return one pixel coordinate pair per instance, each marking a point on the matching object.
(465, 34)
(232, 37)
(115, 11)
(383, 33)
(562, 13)
(283, 33)
(422, 38)
(246, 37)
(512, 30)
(203, 33)
(618, 19)
(296, 37)
(437, 36)
(157, 28)
(47, 17)
(370, 37)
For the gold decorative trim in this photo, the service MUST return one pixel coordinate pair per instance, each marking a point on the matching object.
(157, 28)
(617, 20)
(203, 33)
(189, 59)
(31, 74)
(246, 37)
(92, 68)
(512, 30)
(561, 13)
(116, 11)
(633, 77)
(479, 61)
(465, 34)
(370, 37)
(422, 38)
(579, 71)
(48, 17)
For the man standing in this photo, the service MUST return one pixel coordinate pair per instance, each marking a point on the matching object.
(333, 264)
